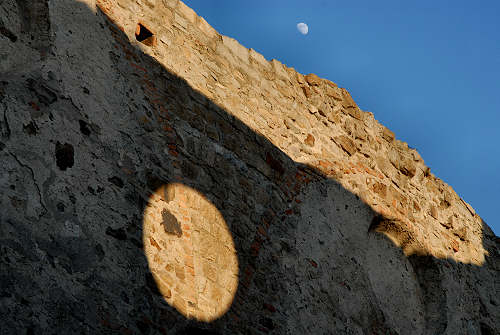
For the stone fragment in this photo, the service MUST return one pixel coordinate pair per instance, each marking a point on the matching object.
(170, 224)
(385, 166)
(307, 91)
(313, 79)
(416, 156)
(356, 129)
(324, 109)
(164, 289)
(398, 197)
(334, 92)
(289, 124)
(387, 134)
(181, 21)
(461, 233)
(309, 140)
(300, 78)
(434, 212)
(347, 144)
(331, 84)
(150, 3)
(380, 189)
(334, 116)
(347, 100)
(408, 168)
(448, 198)
(355, 113)
(449, 223)
(313, 109)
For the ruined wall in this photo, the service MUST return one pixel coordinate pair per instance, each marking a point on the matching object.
(158, 177)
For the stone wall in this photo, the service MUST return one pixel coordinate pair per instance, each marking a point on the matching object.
(315, 123)
(159, 177)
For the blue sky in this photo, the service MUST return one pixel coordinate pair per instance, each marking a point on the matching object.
(428, 70)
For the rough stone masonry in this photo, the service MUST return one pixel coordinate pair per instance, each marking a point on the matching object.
(157, 177)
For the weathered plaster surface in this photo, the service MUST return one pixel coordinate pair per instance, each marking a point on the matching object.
(333, 225)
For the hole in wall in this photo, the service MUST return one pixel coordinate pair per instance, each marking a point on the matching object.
(9, 34)
(144, 35)
(65, 156)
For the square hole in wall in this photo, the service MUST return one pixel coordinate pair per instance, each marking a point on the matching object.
(144, 35)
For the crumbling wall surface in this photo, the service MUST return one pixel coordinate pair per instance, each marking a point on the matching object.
(158, 177)
(24, 34)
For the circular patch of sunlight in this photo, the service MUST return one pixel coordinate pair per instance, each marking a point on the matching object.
(190, 252)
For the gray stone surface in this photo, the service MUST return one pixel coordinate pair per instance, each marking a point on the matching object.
(348, 233)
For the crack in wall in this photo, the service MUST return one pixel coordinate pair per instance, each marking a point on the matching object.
(34, 182)
(5, 133)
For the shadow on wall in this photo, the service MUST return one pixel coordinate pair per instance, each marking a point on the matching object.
(184, 220)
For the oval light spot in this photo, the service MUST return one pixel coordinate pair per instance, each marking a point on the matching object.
(190, 252)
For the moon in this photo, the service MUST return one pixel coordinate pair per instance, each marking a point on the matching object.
(302, 28)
